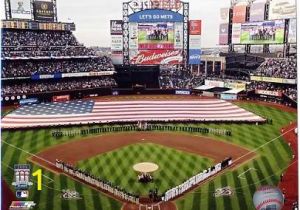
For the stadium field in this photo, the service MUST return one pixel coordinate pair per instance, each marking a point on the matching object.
(174, 166)
(271, 160)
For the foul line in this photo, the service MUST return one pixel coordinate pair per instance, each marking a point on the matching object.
(28, 153)
(241, 187)
(262, 145)
(249, 169)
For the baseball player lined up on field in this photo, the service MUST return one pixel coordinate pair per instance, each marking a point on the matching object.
(97, 182)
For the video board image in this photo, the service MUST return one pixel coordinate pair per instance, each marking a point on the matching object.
(156, 36)
(268, 32)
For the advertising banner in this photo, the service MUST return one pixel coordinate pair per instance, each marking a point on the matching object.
(28, 101)
(136, 5)
(229, 96)
(43, 11)
(178, 41)
(61, 98)
(236, 33)
(267, 32)
(155, 15)
(116, 27)
(224, 15)
(269, 93)
(223, 34)
(20, 9)
(155, 57)
(273, 80)
(214, 83)
(194, 56)
(116, 42)
(239, 14)
(153, 36)
(282, 9)
(46, 76)
(195, 42)
(257, 12)
(292, 37)
(235, 85)
(133, 36)
(182, 92)
(117, 58)
(195, 27)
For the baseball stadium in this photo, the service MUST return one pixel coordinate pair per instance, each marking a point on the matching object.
(156, 121)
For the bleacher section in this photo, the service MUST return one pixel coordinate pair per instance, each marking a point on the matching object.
(46, 61)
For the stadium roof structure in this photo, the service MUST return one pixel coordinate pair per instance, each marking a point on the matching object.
(218, 90)
(233, 91)
(204, 87)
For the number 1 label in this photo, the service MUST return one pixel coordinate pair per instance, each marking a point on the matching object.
(38, 173)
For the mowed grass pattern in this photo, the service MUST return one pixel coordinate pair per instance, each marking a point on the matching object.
(272, 160)
(174, 166)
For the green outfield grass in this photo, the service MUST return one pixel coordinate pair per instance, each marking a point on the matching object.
(271, 161)
(174, 166)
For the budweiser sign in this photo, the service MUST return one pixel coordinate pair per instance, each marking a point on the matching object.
(154, 57)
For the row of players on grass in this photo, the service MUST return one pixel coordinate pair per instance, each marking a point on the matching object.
(140, 127)
(195, 180)
(279, 68)
(97, 182)
(62, 85)
(29, 68)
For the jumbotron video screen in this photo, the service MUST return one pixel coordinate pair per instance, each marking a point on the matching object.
(155, 36)
(149, 105)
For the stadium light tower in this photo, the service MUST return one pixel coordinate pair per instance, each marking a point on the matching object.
(7, 9)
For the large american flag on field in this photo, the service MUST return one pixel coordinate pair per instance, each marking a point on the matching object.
(85, 112)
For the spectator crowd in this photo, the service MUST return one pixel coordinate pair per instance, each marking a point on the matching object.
(30, 43)
(43, 52)
(28, 68)
(173, 77)
(15, 38)
(57, 85)
(285, 68)
(288, 90)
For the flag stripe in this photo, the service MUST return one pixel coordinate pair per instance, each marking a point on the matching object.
(82, 112)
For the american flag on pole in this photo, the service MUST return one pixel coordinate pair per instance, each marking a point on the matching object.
(86, 112)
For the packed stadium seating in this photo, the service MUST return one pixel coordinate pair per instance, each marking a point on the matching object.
(19, 38)
(279, 68)
(22, 52)
(29, 53)
(29, 68)
(57, 85)
(288, 90)
(28, 43)
(174, 78)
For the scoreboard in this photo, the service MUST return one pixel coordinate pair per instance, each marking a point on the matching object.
(34, 25)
